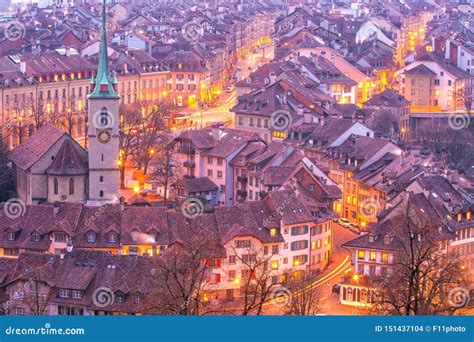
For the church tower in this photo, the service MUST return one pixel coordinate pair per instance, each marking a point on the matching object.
(103, 131)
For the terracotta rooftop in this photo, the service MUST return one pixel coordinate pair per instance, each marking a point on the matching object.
(29, 152)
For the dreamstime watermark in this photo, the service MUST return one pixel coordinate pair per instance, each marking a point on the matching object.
(192, 207)
(46, 330)
(192, 31)
(281, 120)
(459, 297)
(279, 210)
(103, 119)
(368, 31)
(369, 208)
(459, 121)
(281, 297)
(99, 212)
(103, 297)
(14, 30)
(14, 208)
(19, 294)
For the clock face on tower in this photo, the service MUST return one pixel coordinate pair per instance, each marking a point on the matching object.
(104, 136)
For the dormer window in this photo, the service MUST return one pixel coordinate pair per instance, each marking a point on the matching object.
(91, 237)
(113, 237)
(11, 236)
(387, 240)
(371, 238)
(120, 297)
(35, 237)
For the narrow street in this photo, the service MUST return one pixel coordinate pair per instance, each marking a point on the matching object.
(340, 265)
(227, 101)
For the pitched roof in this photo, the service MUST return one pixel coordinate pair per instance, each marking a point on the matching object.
(67, 161)
(29, 152)
(194, 185)
(387, 98)
(420, 70)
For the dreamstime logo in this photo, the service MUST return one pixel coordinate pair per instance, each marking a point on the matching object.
(279, 210)
(281, 120)
(369, 208)
(192, 31)
(102, 297)
(459, 297)
(192, 207)
(281, 297)
(103, 119)
(14, 30)
(369, 31)
(14, 208)
(458, 121)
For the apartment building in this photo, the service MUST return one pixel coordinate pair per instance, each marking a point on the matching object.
(52, 87)
(286, 232)
(291, 99)
(208, 153)
(432, 84)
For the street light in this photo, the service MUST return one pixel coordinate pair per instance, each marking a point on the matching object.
(355, 277)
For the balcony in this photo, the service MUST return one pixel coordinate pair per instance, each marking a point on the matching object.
(242, 179)
(189, 164)
(186, 150)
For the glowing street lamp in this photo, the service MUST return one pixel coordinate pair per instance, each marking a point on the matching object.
(136, 189)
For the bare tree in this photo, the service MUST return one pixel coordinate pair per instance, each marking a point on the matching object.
(34, 295)
(423, 272)
(181, 276)
(257, 282)
(305, 298)
(165, 168)
(142, 127)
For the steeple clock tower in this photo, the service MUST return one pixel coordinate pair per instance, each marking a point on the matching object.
(103, 131)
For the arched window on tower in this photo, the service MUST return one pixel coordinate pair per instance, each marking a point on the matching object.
(104, 118)
(56, 186)
(71, 186)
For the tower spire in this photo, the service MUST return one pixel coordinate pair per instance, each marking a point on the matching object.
(103, 84)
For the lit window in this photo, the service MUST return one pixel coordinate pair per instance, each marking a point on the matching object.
(273, 231)
(274, 264)
(361, 255)
(373, 256)
(384, 257)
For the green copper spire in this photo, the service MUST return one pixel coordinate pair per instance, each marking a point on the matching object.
(103, 82)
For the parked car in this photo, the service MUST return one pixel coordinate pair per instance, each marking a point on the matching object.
(354, 228)
(344, 222)
(336, 288)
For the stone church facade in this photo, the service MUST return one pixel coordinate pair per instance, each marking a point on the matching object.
(51, 166)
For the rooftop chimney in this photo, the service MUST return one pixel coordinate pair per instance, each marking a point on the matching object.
(55, 209)
(23, 67)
